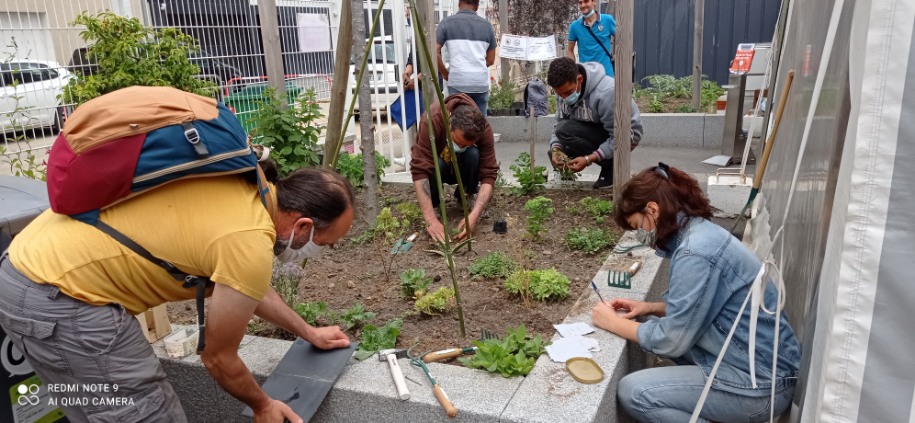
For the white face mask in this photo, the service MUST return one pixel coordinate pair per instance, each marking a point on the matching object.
(460, 149)
(645, 237)
(588, 15)
(309, 250)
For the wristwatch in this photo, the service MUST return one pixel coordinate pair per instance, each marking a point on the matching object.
(588, 159)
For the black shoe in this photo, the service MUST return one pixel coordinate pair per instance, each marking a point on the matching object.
(603, 182)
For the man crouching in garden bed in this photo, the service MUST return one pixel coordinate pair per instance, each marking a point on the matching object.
(476, 161)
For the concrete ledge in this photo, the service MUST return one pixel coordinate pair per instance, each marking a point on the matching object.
(365, 392)
(698, 130)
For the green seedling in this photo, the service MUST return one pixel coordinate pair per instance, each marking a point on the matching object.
(493, 265)
(539, 209)
(436, 303)
(589, 240)
(414, 283)
(529, 181)
(540, 285)
(378, 338)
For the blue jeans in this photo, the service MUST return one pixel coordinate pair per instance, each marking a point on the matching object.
(482, 99)
(669, 394)
(469, 165)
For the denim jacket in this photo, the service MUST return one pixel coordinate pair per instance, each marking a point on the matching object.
(710, 275)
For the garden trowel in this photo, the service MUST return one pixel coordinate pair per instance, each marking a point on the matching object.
(404, 245)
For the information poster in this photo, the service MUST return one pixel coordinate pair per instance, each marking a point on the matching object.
(527, 48)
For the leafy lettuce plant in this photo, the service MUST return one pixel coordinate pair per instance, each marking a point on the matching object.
(514, 355)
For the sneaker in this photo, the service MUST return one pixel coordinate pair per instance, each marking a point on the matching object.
(603, 182)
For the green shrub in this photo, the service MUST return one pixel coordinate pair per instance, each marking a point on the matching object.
(503, 96)
(539, 209)
(311, 312)
(378, 338)
(493, 265)
(350, 167)
(291, 132)
(129, 53)
(594, 207)
(351, 317)
(529, 182)
(513, 355)
(540, 285)
(410, 213)
(414, 283)
(589, 240)
(436, 303)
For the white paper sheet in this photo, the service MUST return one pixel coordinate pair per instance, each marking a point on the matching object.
(574, 346)
(573, 329)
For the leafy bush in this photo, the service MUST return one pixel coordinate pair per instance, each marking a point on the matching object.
(129, 53)
(350, 167)
(594, 207)
(378, 338)
(540, 285)
(311, 312)
(292, 132)
(285, 280)
(662, 88)
(589, 240)
(503, 97)
(414, 283)
(493, 265)
(351, 317)
(539, 209)
(435, 303)
(410, 213)
(513, 355)
(529, 182)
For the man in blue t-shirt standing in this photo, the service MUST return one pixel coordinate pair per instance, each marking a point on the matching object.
(471, 43)
(592, 33)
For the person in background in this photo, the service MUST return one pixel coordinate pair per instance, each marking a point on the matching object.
(711, 273)
(68, 291)
(471, 44)
(585, 114)
(476, 159)
(593, 33)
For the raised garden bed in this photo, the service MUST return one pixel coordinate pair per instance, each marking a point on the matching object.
(353, 273)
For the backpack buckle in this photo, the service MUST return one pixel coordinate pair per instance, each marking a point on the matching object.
(193, 137)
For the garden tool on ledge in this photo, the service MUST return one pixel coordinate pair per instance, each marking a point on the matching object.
(391, 356)
(437, 390)
(447, 354)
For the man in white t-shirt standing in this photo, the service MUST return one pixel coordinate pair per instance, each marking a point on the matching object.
(471, 43)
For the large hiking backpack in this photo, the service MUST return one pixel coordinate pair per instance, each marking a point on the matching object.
(132, 140)
(536, 96)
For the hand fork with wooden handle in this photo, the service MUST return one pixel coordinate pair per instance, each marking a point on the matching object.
(437, 390)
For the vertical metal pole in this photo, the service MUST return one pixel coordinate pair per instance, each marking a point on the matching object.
(273, 52)
(623, 70)
(698, 20)
(503, 29)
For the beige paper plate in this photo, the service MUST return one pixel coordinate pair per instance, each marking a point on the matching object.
(584, 370)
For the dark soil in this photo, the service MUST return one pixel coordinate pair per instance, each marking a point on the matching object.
(353, 273)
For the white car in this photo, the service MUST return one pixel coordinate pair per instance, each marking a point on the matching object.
(29, 91)
(384, 74)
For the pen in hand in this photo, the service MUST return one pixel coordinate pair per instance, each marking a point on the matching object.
(594, 286)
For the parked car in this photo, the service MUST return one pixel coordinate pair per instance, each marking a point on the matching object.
(209, 65)
(29, 91)
(384, 74)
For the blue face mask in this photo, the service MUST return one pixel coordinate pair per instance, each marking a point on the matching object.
(460, 149)
(588, 15)
(572, 98)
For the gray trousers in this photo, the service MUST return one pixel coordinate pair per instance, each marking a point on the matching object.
(74, 346)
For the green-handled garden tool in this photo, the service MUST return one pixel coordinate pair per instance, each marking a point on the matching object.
(437, 390)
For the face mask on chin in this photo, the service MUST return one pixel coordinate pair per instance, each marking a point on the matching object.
(460, 149)
(572, 98)
(297, 255)
(588, 15)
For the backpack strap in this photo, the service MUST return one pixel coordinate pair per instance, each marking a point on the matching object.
(187, 280)
(598, 41)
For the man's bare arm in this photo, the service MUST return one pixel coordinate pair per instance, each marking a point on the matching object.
(570, 50)
(441, 62)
